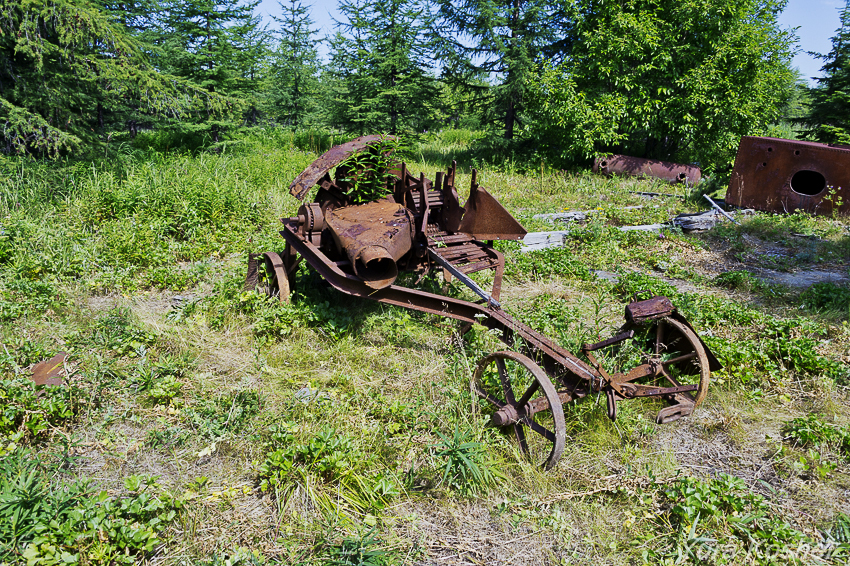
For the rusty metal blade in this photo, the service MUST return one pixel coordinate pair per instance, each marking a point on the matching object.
(327, 161)
(486, 219)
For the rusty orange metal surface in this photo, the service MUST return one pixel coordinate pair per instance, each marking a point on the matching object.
(640, 167)
(327, 161)
(374, 236)
(50, 372)
(778, 175)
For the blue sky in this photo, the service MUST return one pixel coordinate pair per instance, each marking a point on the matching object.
(816, 22)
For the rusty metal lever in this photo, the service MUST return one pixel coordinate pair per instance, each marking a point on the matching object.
(613, 340)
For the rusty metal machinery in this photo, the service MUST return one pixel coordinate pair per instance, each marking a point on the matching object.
(640, 167)
(777, 175)
(421, 226)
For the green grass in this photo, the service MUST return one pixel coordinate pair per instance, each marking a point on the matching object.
(333, 430)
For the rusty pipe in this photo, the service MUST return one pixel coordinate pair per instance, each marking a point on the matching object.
(374, 265)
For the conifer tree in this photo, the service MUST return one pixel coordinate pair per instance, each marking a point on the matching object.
(296, 65)
(829, 115)
(59, 60)
(217, 45)
(380, 62)
(500, 39)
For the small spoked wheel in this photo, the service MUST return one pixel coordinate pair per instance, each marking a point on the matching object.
(681, 357)
(522, 397)
(272, 277)
(672, 357)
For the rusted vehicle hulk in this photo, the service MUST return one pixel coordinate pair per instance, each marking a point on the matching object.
(777, 175)
(421, 226)
(640, 167)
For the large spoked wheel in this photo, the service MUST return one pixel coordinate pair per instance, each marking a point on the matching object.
(679, 358)
(522, 397)
(272, 278)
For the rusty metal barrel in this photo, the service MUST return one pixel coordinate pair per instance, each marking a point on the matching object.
(640, 167)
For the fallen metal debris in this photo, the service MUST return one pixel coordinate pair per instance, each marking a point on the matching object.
(50, 372)
(420, 226)
(718, 209)
(640, 167)
(778, 175)
(577, 215)
(534, 241)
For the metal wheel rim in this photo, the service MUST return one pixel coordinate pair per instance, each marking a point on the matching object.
(557, 437)
(701, 357)
(278, 282)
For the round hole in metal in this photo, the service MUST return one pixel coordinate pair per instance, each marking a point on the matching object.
(796, 152)
(769, 149)
(808, 182)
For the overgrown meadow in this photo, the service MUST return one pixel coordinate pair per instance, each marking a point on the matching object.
(206, 424)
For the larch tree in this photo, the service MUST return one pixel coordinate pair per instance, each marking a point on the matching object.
(295, 67)
(501, 40)
(217, 45)
(380, 76)
(828, 120)
(60, 60)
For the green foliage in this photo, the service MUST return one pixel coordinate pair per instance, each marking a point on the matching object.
(369, 171)
(63, 62)
(481, 40)
(547, 263)
(378, 75)
(50, 524)
(744, 281)
(674, 80)
(24, 297)
(812, 431)
(828, 120)
(219, 46)
(295, 66)
(30, 411)
(226, 414)
(720, 521)
(358, 551)
(329, 467)
(117, 331)
(464, 463)
(826, 296)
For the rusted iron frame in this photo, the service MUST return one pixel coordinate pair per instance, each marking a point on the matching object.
(556, 360)
(564, 367)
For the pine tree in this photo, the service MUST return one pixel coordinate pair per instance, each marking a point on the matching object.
(829, 114)
(295, 67)
(500, 39)
(380, 64)
(217, 45)
(62, 59)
